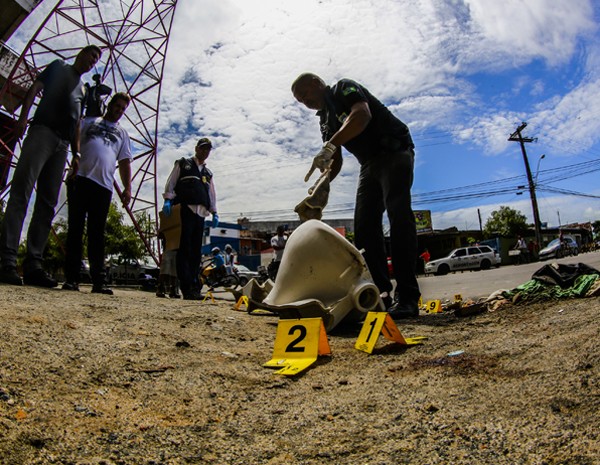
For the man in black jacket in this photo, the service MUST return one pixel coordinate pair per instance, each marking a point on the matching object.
(191, 184)
(351, 117)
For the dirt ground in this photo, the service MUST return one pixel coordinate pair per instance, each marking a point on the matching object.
(134, 379)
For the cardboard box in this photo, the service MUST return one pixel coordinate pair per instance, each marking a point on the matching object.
(170, 226)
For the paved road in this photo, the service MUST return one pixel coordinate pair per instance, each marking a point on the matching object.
(475, 284)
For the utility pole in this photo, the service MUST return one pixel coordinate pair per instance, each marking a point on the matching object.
(518, 137)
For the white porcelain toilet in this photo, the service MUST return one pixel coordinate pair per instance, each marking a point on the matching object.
(322, 275)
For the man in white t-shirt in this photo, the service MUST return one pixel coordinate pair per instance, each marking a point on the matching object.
(104, 144)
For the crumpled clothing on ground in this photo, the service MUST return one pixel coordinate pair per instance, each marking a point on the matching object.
(563, 275)
(556, 282)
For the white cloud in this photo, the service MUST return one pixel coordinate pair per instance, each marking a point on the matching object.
(515, 31)
(230, 65)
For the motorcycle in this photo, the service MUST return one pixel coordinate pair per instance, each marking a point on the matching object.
(213, 278)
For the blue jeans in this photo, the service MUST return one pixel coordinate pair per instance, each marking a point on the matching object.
(384, 184)
(42, 160)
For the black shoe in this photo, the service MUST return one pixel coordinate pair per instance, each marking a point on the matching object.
(193, 295)
(387, 300)
(39, 278)
(174, 296)
(9, 275)
(68, 286)
(160, 294)
(102, 290)
(404, 310)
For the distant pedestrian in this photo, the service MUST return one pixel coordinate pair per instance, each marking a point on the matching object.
(54, 127)
(278, 242)
(532, 249)
(521, 246)
(167, 279)
(229, 258)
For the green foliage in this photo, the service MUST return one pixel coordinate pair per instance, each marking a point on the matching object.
(120, 239)
(350, 236)
(596, 227)
(505, 222)
(123, 239)
(55, 252)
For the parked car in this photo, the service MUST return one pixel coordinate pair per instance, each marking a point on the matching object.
(557, 250)
(84, 273)
(132, 271)
(481, 257)
(245, 274)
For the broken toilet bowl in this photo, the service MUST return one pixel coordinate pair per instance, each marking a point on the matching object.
(322, 275)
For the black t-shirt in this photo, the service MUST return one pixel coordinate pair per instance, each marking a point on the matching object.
(62, 99)
(384, 133)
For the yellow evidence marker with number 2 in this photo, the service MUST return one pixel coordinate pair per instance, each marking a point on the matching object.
(298, 343)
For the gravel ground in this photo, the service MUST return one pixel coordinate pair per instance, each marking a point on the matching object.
(134, 379)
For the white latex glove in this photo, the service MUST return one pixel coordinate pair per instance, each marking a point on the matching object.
(322, 159)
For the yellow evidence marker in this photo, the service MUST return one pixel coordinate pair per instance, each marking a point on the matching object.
(457, 298)
(381, 322)
(243, 300)
(209, 295)
(298, 343)
(434, 306)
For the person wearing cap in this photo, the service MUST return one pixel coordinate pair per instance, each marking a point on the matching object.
(191, 185)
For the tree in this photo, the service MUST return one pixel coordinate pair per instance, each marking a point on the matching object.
(505, 222)
(120, 238)
(596, 228)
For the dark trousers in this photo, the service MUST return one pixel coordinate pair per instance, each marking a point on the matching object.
(384, 184)
(189, 254)
(87, 200)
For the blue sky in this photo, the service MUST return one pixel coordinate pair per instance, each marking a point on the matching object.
(463, 74)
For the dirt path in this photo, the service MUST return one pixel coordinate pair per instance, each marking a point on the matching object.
(133, 379)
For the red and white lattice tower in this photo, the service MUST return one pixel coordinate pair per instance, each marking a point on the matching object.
(133, 36)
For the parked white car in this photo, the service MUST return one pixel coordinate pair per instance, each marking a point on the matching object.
(481, 257)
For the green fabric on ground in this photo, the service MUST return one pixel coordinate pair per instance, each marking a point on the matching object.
(536, 290)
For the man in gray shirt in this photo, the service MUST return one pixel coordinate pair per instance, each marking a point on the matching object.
(55, 125)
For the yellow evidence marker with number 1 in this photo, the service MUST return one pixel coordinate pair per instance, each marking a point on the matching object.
(381, 322)
(298, 343)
